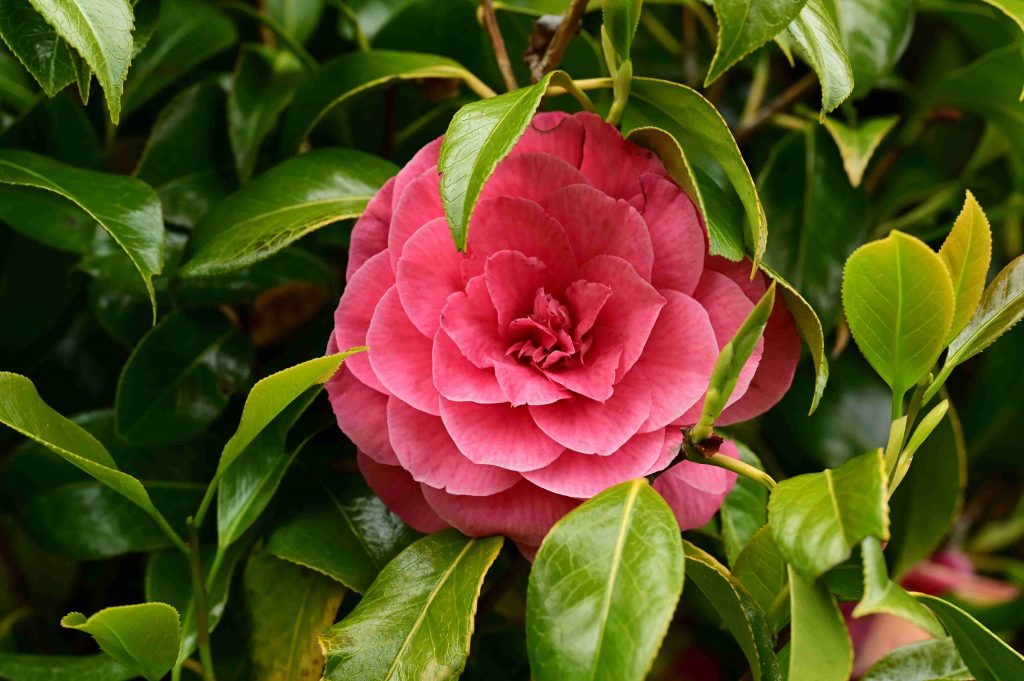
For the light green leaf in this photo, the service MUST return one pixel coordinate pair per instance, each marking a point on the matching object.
(35, 43)
(744, 620)
(761, 569)
(417, 618)
(857, 144)
(143, 637)
(283, 204)
(967, 252)
(621, 18)
(1014, 9)
(15, 667)
(987, 656)
(126, 207)
(298, 17)
(604, 586)
(875, 32)
(819, 646)
(882, 595)
(705, 161)
(101, 32)
(898, 298)
(745, 509)
(288, 606)
(818, 518)
(924, 661)
(744, 26)
(815, 32)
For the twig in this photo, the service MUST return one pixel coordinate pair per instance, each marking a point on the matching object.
(498, 42)
(786, 98)
(568, 29)
(202, 607)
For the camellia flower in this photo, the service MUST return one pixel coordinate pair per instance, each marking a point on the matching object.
(559, 355)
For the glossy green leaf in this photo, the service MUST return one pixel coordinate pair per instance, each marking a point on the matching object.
(47, 218)
(875, 33)
(417, 618)
(818, 518)
(761, 569)
(737, 610)
(817, 218)
(882, 595)
(745, 509)
(15, 667)
(344, 531)
(819, 646)
(288, 606)
(143, 637)
(1014, 9)
(341, 79)
(986, 655)
(621, 18)
(604, 586)
(187, 33)
(967, 252)
(281, 205)
(16, 88)
(898, 298)
(298, 17)
(924, 661)
(857, 144)
(706, 162)
(35, 43)
(744, 26)
(815, 32)
(101, 32)
(127, 208)
(83, 75)
(263, 85)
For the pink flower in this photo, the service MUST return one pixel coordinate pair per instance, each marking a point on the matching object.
(560, 355)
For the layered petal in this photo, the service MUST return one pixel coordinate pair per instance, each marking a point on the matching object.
(470, 320)
(499, 435)
(370, 233)
(355, 311)
(525, 384)
(401, 356)
(419, 204)
(531, 176)
(594, 376)
(458, 379)
(361, 413)
(428, 272)
(423, 160)
(513, 280)
(677, 235)
(696, 491)
(728, 306)
(611, 163)
(401, 494)
(555, 133)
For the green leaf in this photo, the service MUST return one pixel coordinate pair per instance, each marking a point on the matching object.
(127, 208)
(815, 31)
(1014, 9)
(987, 656)
(15, 667)
(37, 46)
(289, 266)
(817, 218)
(47, 218)
(924, 661)
(967, 252)
(187, 33)
(83, 75)
(761, 569)
(344, 531)
(16, 88)
(818, 518)
(884, 596)
(298, 17)
(143, 637)
(281, 205)
(899, 304)
(288, 606)
(819, 646)
(709, 166)
(101, 32)
(262, 86)
(735, 606)
(417, 618)
(875, 32)
(179, 379)
(745, 509)
(621, 18)
(1001, 307)
(604, 587)
(857, 144)
(744, 26)
(341, 79)
(479, 136)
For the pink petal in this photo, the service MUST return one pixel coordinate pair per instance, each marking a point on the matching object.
(584, 475)
(401, 356)
(401, 494)
(370, 233)
(428, 272)
(728, 306)
(739, 273)
(424, 159)
(631, 310)
(469, 319)
(695, 491)
(512, 281)
(676, 233)
(523, 513)
(498, 435)
(458, 379)
(593, 427)
(522, 384)
(678, 359)
(420, 204)
(612, 164)
(362, 415)
(556, 133)
(355, 310)
(531, 176)
(673, 441)
(425, 449)
(586, 300)
(597, 224)
(595, 376)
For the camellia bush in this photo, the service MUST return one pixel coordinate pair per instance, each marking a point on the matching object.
(513, 339)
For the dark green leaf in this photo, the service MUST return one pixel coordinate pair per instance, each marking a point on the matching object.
(1014, 9)
(882, 595)
(417, 618)
(987, 656)
(621, 18)
(761, 569)
(819, 646)
(816, 34)
(298, 17)
(144, 637)
(745, 25)
(857, 144)
(875, 33)
(47, 218)
(289, 266)
(16, 89)
(36, 45)
(604, 586)
(924, 661)
(745, 509)
(58, 128)
(14, 667)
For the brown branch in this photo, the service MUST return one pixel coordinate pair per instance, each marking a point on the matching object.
(567, 30)
(786, 99)
(498, 42)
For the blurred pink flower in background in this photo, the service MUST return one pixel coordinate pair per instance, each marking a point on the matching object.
(559, 355)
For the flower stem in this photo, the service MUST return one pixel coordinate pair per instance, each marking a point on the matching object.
(740, 468)
(202, 607)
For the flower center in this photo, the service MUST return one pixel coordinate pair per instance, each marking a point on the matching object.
(545, 337)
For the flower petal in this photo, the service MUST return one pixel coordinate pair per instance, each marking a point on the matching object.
(428, 272)
(498, 435)
(522, 384)
(420, 204)
(728, 306)
(423, 160)
(512, 282)
(370, 233)
(401, 494)
(531, 176)
(611, 163)
(594, 377)
(470, 320)
(458, 379)
(677, 235)
(362, 415)
(401, 356)
(695, 491)
(355, 311)
(556, 133)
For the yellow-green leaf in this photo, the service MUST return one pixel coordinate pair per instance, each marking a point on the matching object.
(857, 144)
(967, 252)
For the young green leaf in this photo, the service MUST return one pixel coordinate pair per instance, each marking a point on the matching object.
(882, 595)
(987, 656)
(744, 26)
(761, 569)
(967, 252)
(143, 637)
(857, 144)
(744, 620)
(815, 32)
(924, 661)
(621, 18)
(918, 438)
(875, 33)
(102, 667)
(417, 618)
(283, 204)
(898, 298)
(818, 518)
(37, 46)
(745, 509)
(604, 586)
(819, 646)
